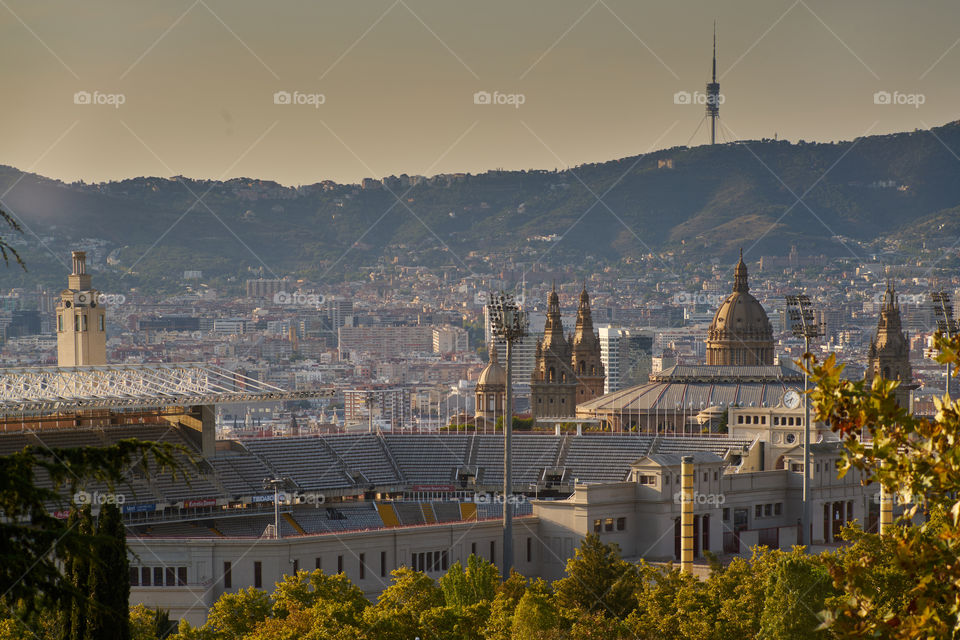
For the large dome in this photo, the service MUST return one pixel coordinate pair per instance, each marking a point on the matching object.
(740, 333)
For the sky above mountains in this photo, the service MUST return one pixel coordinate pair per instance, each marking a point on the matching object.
(305, 91)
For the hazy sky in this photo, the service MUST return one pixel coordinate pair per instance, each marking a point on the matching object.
(197, 80)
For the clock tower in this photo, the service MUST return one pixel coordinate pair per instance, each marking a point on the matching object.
(81, 320)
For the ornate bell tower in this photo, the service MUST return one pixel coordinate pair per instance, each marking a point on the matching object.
(81, 320)
(889, 355)
(586, 362)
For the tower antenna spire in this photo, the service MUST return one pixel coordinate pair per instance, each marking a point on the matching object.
(713, 92)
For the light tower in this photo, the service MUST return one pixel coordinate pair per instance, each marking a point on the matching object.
(508, 323)
(803, 326)
(713, 93)
(81, 334)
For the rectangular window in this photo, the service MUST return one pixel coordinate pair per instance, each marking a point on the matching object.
(134, 576)
(171, 576)
(101, 323)
(158, 576)
(257, 574)
(529, 549)
(319, 563)
(363, 571)
(181, 576)
(597, 526)
(726, 514)
(778, 509)
(145, 576)
(621, 524)
(413, 562)
(473, 548)
(758, 511)
(493, 551)
(608, 524)
(383, 564)
(296, 566)
(76, 323)
(227, 575)
(768, 510)
(339, 564)
(60, 324)
(445, 556)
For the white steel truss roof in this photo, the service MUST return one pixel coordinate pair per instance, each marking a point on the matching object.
(38, 390)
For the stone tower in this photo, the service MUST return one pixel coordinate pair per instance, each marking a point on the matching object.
(740, 333)
(81, 329)
(553, 383)
(586, 362)
(889, 355)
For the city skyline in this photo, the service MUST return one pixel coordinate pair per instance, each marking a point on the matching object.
(200, 89)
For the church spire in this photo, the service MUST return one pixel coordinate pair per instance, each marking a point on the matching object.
(740, 284)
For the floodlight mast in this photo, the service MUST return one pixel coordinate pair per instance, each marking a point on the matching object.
(943, 308)
(508, 323)
(803, 326)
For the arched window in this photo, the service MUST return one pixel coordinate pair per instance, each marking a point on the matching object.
(551, 374)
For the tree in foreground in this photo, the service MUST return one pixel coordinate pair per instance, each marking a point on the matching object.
(916, 567)
(40, 553)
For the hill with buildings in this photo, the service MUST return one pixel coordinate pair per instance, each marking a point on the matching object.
(693, 201)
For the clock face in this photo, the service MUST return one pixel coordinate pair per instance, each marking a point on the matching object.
(791, 399)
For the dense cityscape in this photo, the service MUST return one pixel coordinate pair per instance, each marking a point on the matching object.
(499, 321)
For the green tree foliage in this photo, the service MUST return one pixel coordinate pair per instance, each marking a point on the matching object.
(478, 583)
(108, 615)
(536, 616)
(598, 580)
(919, 460)
(38, 551)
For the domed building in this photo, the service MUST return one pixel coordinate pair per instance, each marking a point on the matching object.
(740, 334)
(491, 391)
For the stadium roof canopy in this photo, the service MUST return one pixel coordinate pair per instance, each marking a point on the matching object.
(40, 390)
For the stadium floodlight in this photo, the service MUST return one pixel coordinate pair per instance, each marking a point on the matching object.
(508, 323)
(275, 483)
(946, 324)
(803, 326)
